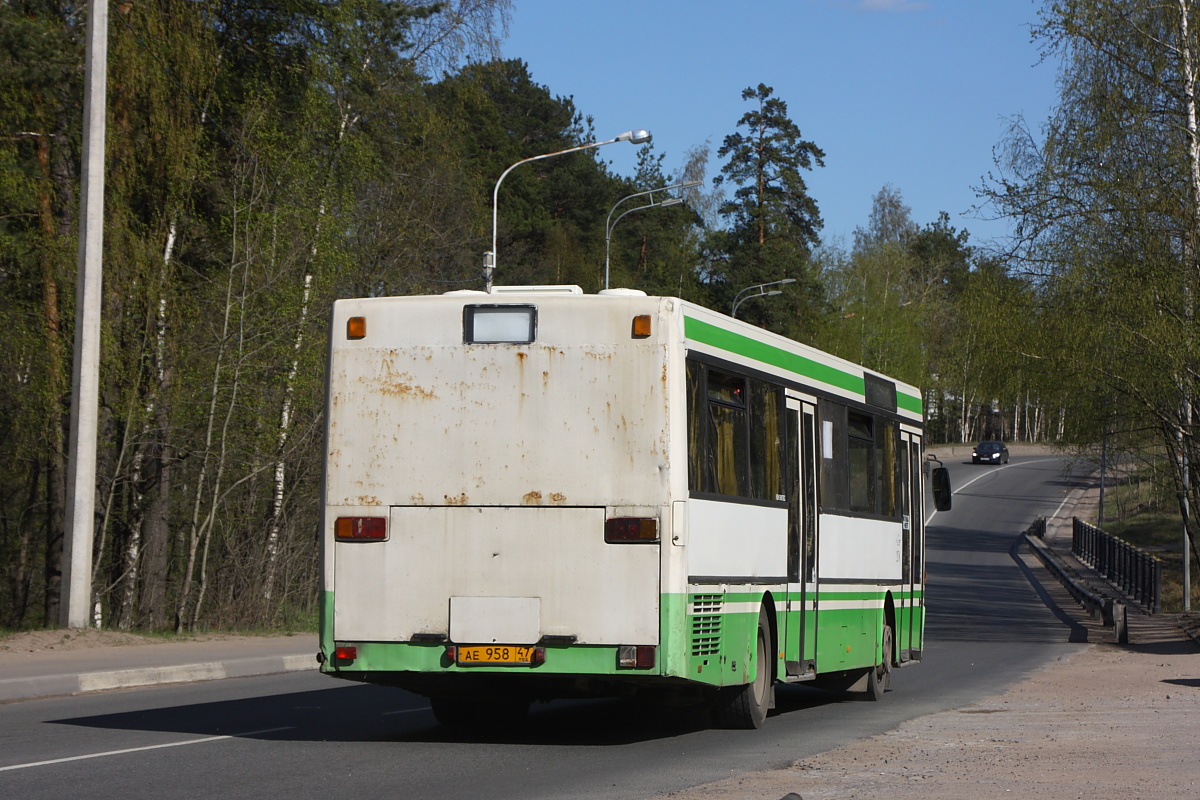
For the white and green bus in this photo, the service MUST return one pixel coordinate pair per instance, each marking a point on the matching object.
(535, 493)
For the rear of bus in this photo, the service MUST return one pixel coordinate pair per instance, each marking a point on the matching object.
(497, 491)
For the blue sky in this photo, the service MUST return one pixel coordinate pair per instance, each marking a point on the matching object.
(907, 92)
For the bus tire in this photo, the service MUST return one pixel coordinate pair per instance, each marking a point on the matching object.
(745, 707)
(880, 678)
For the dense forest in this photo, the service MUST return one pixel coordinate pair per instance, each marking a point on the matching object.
(264, 159)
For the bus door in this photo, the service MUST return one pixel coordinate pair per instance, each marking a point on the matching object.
(801, 620)
(913, 497)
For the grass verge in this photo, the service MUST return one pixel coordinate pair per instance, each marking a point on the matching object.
(1158, 532)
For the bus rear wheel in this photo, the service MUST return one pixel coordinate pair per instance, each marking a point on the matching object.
(880, 678)
(746, 706)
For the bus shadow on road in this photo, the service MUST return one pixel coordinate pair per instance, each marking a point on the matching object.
(379, 714)
(350, 713)
(569, 723)
(610, 722)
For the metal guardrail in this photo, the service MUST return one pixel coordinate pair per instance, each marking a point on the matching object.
(1112, 613)
(1038, 528)
(1091, 601)
(1134, 571)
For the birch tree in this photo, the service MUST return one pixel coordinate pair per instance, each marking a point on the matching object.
(1106, 205)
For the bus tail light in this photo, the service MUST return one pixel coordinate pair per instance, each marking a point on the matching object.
(360, 529)
(630, 529)
(635, 656)
(344, 656)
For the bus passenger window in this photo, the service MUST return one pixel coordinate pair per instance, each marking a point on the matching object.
(698, 476)
(735, 435)
(861, 459)
(766, 441)
(833, 455)
(727, 452)
(887, 437)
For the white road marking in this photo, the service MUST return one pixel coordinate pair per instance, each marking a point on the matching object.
(992, 472)
(406, 711)
(141, 749)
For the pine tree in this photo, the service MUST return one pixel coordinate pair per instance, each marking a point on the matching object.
(773, 223)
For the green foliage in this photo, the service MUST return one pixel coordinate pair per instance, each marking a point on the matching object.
(1107, 206)
(261, 160)
(503, 117)
(771, 200)
(772, 220)
(888, 296)
(266, 159)
(1140, 512)
(655, 248)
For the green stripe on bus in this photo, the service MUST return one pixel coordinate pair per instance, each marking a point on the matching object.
(770, 354)
(824, 595)
(729, 341)
(873, 594)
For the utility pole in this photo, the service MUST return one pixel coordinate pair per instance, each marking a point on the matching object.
(1103, 464)
(1185, 505)
(81, 461)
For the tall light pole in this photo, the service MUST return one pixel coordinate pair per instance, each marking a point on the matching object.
(489, 258)
(74, 608)
(611, 223)
(758, 289)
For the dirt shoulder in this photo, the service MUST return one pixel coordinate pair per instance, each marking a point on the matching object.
(1107, 722)
(76, 639)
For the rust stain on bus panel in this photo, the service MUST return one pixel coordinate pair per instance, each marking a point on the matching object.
(412, 424)
(401, 384)
(401, 389)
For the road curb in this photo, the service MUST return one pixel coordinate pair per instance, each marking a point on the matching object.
(28, 688)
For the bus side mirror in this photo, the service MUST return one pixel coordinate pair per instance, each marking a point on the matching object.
(941, 488)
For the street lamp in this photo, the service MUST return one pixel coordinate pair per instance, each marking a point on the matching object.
(489, 258)
(738, 300)
(611, 223)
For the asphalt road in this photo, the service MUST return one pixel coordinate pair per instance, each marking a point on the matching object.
(305, 735)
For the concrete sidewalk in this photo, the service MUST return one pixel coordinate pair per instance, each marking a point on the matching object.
(52, 671)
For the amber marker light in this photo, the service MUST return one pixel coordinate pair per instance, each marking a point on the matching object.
(641, 326)
(356, 328)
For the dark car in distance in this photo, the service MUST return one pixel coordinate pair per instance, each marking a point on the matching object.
(989, 453)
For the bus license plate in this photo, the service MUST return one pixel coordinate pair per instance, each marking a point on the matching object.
(495, 654)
